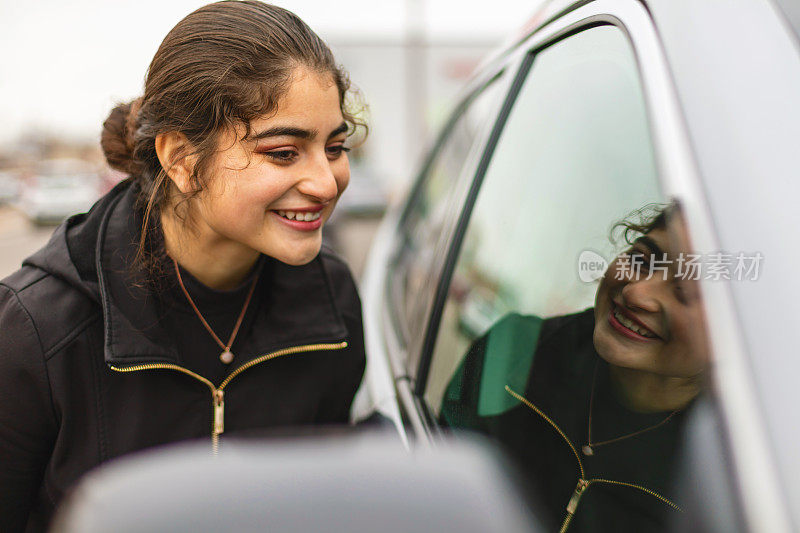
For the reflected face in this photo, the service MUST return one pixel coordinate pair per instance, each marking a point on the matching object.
(273, 191)
(654, 325)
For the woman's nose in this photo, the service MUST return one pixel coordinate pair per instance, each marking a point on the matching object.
(319, 181)
(643, 294)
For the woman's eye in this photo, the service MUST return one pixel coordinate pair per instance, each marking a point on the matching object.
(281, 155)
(685, 291)
(336, 150)
(640, 262)
(680, 293)
(639, 257)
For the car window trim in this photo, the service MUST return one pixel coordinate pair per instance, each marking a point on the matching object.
(458, 111)
(431, 331)
(445, 277)
(528, 51)
(473, 92)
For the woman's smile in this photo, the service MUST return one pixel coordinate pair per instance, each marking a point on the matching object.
(302, 218)
(629, 326)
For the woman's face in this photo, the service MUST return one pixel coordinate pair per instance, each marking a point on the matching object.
(654, 325)
(273, 191)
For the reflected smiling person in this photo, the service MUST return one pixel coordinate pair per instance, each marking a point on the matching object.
(591, 406)
(195, 299)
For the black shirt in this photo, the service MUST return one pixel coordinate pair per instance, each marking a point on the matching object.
(198, 351)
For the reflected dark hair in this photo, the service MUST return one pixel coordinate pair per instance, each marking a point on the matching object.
(643, 220)
(222, 66)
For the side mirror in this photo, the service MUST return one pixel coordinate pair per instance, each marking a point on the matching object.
(359, 483)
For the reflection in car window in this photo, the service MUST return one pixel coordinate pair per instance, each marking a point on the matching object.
(585, 382)
(431, 210)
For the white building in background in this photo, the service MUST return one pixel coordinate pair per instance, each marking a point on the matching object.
(409, 92)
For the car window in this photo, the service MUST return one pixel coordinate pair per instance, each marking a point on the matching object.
(565, 293)
(433, 209)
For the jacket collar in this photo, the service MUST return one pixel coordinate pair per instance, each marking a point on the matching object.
(296, 302)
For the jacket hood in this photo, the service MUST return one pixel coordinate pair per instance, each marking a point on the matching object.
(93, 252)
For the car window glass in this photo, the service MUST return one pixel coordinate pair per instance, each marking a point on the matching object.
(562, 298)
(432, 210)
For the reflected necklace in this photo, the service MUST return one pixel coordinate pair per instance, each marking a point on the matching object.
(226, 356)
(588, 448)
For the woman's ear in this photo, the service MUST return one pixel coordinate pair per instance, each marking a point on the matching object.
(175, 155)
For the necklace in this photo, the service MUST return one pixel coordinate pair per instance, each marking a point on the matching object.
(589, 447)
(226, 356)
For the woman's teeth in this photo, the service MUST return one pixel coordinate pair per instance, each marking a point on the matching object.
(633, 326)
(300, 217)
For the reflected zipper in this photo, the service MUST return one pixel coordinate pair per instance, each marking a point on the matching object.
(218, 393)
(583, 483)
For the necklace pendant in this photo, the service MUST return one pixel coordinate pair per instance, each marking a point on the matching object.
(587, 450)
(226, 357)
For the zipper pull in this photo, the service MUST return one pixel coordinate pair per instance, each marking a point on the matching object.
(576, 496)
(219, 412)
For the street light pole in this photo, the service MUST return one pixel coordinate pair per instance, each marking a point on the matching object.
(416, 83)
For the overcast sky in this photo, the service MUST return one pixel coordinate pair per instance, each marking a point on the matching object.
(65, 63)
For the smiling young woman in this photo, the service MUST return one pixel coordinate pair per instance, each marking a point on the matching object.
(196, 298)
(650, 326)
(292, 167)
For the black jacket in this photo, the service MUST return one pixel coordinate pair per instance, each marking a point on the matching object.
(553, 365)
(87, 372)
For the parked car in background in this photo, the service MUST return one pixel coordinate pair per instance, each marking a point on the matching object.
(601, 108)
(59, 188)
(9, 187)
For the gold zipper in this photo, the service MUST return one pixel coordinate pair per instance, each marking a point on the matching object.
(549, 421)
(639, 487)
(583, 483)
(218, 393)
(574, 500)
(572, 505)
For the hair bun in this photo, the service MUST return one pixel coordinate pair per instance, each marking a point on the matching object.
(116, 138)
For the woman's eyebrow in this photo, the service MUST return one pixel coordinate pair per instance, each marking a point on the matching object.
(292, 131)
(285, 131)
(655, 249)
(342, 128)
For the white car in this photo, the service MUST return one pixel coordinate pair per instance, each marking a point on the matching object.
(9, 187)
(58, 189)
(603, 107)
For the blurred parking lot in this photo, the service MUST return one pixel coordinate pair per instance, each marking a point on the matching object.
(18, 238)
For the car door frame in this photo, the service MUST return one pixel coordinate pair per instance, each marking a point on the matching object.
(750, 456)
(387, 387)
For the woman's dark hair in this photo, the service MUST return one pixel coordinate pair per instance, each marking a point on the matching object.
(644, 220)
(220, 67)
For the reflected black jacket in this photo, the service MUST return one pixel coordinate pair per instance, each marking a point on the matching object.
(621, 487)
(88, 374)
